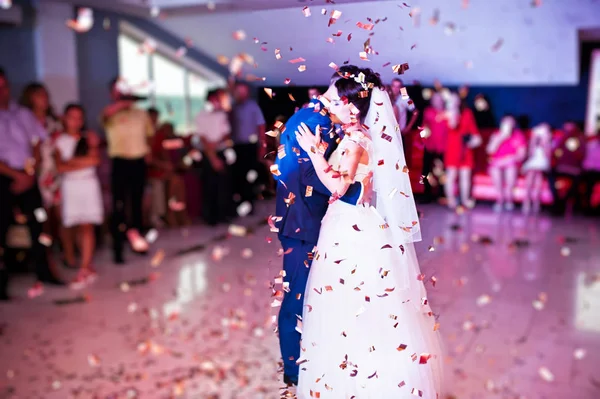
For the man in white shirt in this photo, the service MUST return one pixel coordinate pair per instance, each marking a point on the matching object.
(402, 106)
(213, 127)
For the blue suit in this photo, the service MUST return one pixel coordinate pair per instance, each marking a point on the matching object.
(301, 221)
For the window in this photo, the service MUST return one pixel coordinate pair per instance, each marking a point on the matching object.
(592, 123)
(176, 86)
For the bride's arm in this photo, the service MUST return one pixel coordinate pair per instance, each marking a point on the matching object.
(336, 182)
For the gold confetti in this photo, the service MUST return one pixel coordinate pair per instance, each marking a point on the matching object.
(269, 92)
(302, 68)
(309, 191)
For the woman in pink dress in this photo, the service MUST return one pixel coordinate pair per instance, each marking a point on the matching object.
(507, 148)
(434, 135)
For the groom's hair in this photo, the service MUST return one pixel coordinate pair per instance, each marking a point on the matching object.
(347, 87)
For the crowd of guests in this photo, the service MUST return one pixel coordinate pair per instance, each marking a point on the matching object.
(49, 174)
(561, 157)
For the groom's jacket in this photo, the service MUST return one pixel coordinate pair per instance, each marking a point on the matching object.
(302, 199)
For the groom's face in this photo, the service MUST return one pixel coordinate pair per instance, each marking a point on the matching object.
(339, 110)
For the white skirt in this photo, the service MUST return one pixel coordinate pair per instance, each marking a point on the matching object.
(537, 162)
(81, 201)
(364, 333)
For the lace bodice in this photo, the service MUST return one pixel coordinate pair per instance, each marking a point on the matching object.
(365, 165)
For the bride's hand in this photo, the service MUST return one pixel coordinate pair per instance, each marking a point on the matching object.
(308, 141)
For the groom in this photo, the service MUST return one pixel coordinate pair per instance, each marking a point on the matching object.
(302, 201)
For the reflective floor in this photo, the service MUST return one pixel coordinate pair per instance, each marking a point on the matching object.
(518, 301)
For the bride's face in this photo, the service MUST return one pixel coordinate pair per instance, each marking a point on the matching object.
(339, 109)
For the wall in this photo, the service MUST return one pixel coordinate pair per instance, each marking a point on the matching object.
(501, 42)
(17, 49)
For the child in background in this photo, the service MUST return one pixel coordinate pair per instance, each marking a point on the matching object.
(507, 148)
(76, 159)
(538, 163)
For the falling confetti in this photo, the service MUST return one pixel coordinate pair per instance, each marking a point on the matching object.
(497, 45)
(546, 374)
(84, 21)
(239, 35)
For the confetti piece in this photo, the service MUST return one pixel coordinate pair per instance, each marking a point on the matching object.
(401, 348)
(172, 144)
(40, 215)
(306, 11)
(400, 68)
(244, 209)
(237, 231)
(365, 26)
(355, 227)
(297, 60)
(565, 251)
(36, 290)
(151, 236)
(309, 191)
(247, 253)
(579, 353)
(158, 257)
(496, 46)
(269, 92)
(417, 392)
(230, 156)
(93, 360)
(45, 240)
(546, 374)
(239, 35)
(483, 300)
(84, 21)
(302, 68)
(251, 176)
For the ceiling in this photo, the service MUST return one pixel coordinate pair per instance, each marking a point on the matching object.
(479, 42)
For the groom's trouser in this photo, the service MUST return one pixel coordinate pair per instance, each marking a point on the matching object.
(296, 274)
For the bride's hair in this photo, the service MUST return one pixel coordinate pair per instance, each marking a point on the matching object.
(348, 83)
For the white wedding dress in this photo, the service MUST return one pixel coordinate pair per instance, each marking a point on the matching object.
(368, 331)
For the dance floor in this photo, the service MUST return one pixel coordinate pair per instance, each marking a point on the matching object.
(518, 301)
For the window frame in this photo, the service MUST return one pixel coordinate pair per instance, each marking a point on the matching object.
(190, 67)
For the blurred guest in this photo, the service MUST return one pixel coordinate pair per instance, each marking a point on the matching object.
(158, 172)
(214, 130)
(591, 173)
(249, 138)
(128, 132)
(538, 163)
(463, 137)
(77, 157)
(313, 93)
(402, 106)
(434, 135)
(567, 158)
(484, 116)
(506, 149)
(175, 149)
(20, 137)
(37, 99)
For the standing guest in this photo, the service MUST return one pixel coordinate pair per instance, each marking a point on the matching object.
(591, 173)
(538, 164)
(158, 173)
(128, 133)
(177, 214)
(567, 159)
(313, 94)
(249, 138)
(20, 138)
(463, 137)
(506, 149)
(402, 106)
(214, 130)
(434, 137)
(77, 157)
(37, 99)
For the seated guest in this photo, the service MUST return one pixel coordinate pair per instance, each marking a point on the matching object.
(537, 164)
(20, 139)
(434, 135)
(567, 158)
(591, 173)
(507, 148)
(213, 128)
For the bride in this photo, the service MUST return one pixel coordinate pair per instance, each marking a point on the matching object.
(368, 330)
